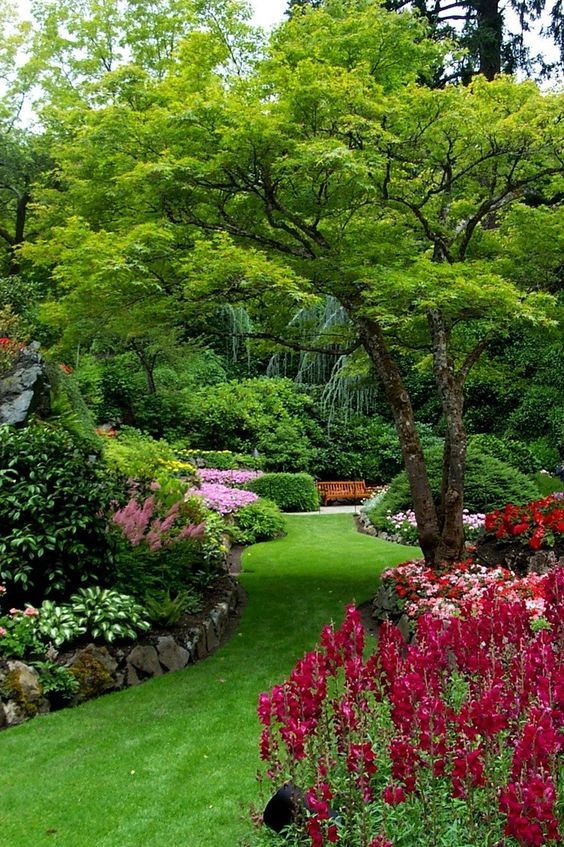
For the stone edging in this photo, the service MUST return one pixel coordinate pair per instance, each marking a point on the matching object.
(101, 669)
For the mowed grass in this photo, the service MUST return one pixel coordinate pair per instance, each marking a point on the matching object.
(172, 763)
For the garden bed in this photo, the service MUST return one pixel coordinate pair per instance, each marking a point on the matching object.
(101, 668)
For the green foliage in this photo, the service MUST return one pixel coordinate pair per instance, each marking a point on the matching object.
(490, 483)
(359, 447)
(20, 639)
(107, 614)
(69, 409)
(137, 455)
(58, 683)
(292, 492)
(224, 460)
(271, 416)
(58, 624)
(259, 521)
(548, 484)
(508, 450)
(164, 609)
(53, 502)
(546, 454)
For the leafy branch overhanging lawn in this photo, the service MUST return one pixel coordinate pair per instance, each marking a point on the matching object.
(173, 761)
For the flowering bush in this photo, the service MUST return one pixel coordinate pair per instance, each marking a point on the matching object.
(452, 739)
(415, 589)
(230, 478)
(223, 499)
(142, 523)
(537, 524)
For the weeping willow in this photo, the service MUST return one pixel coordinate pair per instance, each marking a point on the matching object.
(238, 325)
(347, 381)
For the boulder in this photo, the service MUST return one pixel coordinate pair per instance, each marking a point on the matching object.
(24, 388)
(24, 692)
(171, 655)
(145, 659)
(95, 668)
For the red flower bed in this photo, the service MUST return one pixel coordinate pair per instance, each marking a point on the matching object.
(538, 524)
(451, 739)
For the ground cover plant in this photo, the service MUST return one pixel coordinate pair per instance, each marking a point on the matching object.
(452, 739)
(194, 760)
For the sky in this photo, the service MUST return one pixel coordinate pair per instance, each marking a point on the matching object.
(268, 12)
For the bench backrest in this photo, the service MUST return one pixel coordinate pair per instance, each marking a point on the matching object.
(334, 487)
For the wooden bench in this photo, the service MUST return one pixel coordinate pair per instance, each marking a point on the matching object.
(343, 490)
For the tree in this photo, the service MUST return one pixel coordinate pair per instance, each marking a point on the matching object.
(326, 171)
(482, 28)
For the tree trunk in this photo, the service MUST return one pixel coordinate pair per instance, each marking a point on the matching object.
(374, 343)
(148, 364)
(21, 214)
(454, 460)
(489, 22)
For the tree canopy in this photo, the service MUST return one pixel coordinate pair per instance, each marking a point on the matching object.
(196, 164)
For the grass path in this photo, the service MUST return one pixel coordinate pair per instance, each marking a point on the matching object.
(172, 763)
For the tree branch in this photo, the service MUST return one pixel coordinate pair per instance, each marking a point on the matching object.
(284, 342)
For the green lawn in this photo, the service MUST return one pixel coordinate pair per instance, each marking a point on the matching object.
(172, 763)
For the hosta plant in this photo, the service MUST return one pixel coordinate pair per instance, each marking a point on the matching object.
(58, 624)
(453, 739)
(108, 614)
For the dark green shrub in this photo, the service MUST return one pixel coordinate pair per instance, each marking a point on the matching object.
(271, 416)
(141, 572)
(292, 492)
(259, 521)
(54, 499)
(360, 448)
(508, 450)
(489, 484)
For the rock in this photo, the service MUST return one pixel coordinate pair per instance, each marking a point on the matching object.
(201, 647)
(24, 388)
(219, 616)
(94, 667)
(172, 655)
(212, 641)
(131, 677)
(25, 692)
(145, 659)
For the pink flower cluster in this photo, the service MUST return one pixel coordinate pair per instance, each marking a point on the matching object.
(221, 498)
(375, 733)
(473, 522)
(231, 478)
(422, 589)
(140, 523)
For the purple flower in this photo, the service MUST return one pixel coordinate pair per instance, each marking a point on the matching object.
(222, 499)
(230, 478)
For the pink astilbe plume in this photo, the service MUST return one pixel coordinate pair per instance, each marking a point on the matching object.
(140, 524)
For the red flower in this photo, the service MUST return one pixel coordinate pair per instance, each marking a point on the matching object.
(393, 795)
